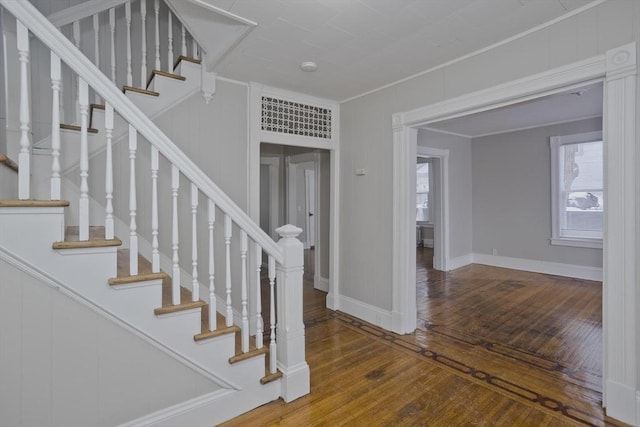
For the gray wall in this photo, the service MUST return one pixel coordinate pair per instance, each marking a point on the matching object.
(66, 365)
(366, 134)
(512, 195)
(460, 188)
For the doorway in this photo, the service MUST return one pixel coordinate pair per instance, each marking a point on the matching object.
(618, 71)
(297, 188)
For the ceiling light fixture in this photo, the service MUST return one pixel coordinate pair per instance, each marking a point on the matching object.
(308, 66)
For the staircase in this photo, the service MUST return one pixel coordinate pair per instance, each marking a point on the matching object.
(111, 257)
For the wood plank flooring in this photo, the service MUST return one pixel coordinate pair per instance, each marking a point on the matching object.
(493, 347)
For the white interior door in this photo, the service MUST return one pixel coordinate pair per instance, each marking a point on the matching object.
(310, 208)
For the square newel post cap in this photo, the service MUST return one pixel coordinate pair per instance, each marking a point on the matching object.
(289, 231)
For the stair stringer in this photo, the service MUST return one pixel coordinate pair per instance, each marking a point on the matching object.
(205, 410)
(27, 234)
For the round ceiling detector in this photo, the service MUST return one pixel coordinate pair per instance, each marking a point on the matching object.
(308, 66)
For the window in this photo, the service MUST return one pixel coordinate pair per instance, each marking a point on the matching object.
(577, 190)
(423, 178)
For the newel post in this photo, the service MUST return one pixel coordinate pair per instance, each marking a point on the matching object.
(290, 327)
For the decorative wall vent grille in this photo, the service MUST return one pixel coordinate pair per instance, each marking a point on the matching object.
(293, 118)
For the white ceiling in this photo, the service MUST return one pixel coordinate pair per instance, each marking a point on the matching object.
(361, 45)
(575, 104)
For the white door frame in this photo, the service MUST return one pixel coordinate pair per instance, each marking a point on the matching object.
(273, 163)
(256, 136)
(441, 224)
(618, 69)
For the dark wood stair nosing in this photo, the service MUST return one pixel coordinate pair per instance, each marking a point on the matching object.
(76, 128)
(139, 90)
(99, 243)
(169, 309)
(32, 203)
(217, 333)
(248, 355)
(271, 377)
(164, 74)
(187, 59)
(8, 162)
(126, 280)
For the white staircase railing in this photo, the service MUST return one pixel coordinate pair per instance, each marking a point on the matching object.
(285, 258)
(124, 70)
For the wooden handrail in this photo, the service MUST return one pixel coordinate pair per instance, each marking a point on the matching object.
(78, 62)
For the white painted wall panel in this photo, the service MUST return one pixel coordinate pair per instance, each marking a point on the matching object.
(366, 137)
(63, 364)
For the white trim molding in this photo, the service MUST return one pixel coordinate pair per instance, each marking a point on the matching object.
(367, 312)
(545, 267)
(257, 136)
(622, 181)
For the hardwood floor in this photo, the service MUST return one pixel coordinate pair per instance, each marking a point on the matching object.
(493, 347)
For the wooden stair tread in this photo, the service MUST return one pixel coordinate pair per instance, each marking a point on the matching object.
(164, 74)
(76, 128)
(8, 162)
(253, 352)
(144, 270)
(187, 59)
(217, 333)
(139, 90)
(185, 295)
(96, 239)
(31, 203)
(270, 377)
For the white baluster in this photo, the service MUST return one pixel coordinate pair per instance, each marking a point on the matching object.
(112, 28)
(133, 233)
(143, 63)
(156, 6)
(170, 44)
(83, 100)
(175, 287)
(127, 15)
(194, 48)
(272, 314)
(259, 321)
(155, 247)
(109, 228)
(195, 287)
(76, 42)
(244, 331)
(96, 48)
(24, 157)
(212, 266)
(227, 281)
(184, 41)
(56, 77)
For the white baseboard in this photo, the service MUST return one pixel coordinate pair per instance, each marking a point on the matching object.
(546, 267)
(622, 402)
(321, 283)
(461, 261)
(366, 312)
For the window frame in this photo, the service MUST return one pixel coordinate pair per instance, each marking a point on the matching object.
(556, 204)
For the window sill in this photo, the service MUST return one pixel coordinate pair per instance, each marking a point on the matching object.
(578, 243)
